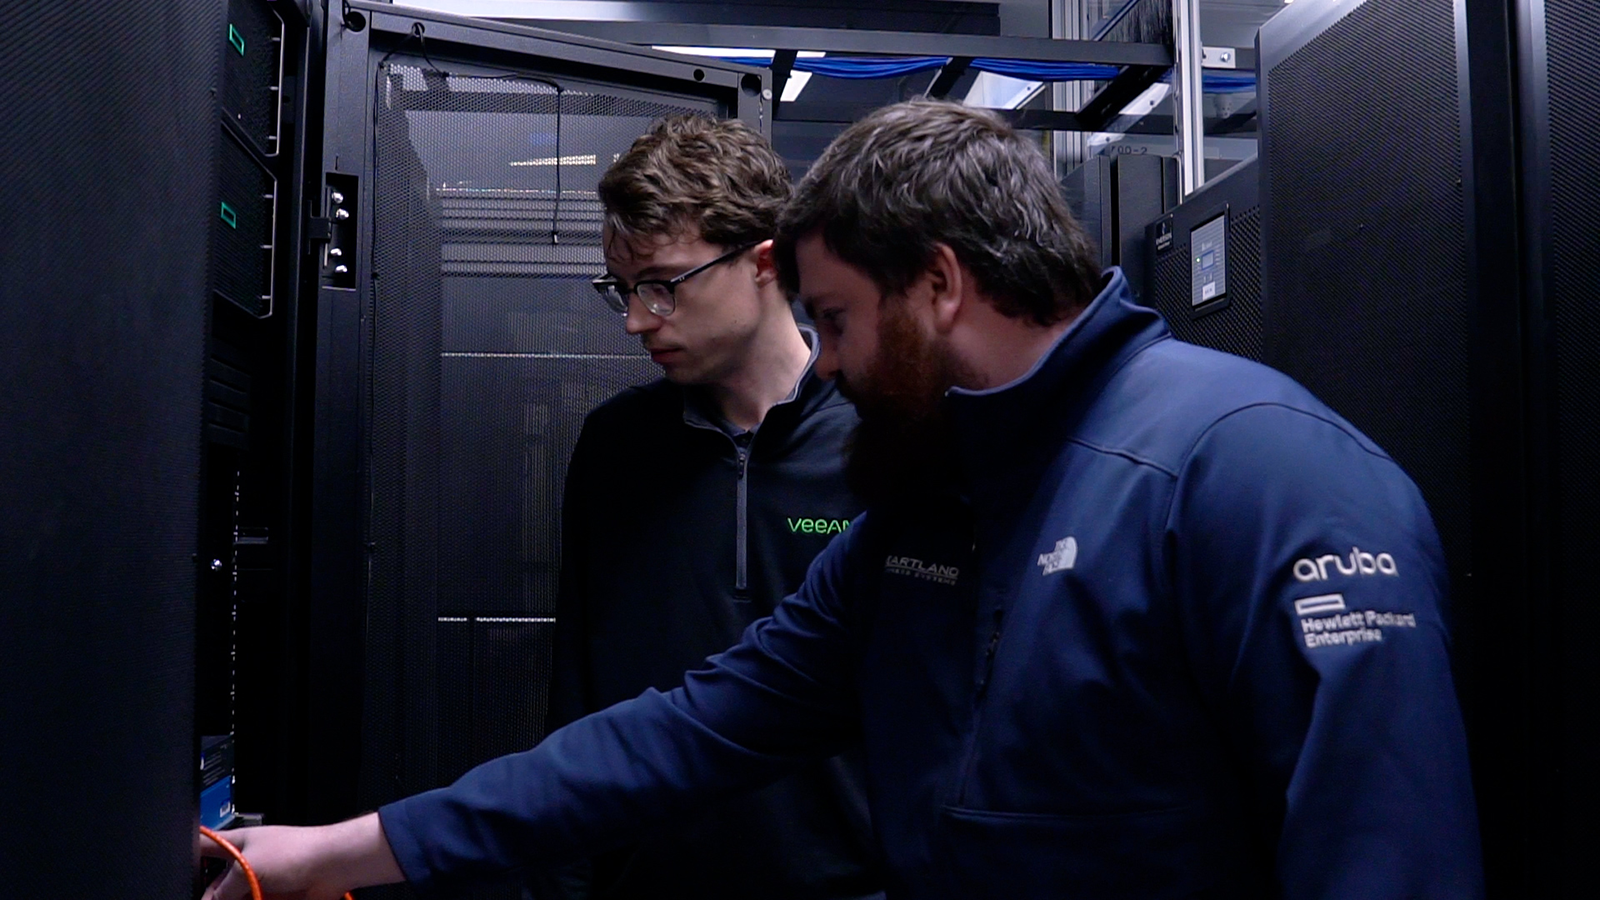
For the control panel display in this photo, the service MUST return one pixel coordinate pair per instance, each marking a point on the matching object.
(1208, 247)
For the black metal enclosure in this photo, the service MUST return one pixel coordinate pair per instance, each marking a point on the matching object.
(1557, 51)
(460, 349)
(1427, 262)
(1376, 246)
(250, 542)
(1230, 319)
(1114, 198)
(109, 142)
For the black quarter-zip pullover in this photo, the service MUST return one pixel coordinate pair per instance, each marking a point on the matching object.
(679, 531)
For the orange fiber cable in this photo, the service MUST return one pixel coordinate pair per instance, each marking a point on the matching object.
(249, 873)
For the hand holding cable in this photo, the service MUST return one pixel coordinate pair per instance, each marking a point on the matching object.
(288, 863)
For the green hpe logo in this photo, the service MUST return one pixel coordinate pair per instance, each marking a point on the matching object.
(817, 526)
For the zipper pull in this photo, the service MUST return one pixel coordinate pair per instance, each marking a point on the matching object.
(988, 655)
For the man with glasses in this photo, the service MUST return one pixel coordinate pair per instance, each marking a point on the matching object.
(695, 503)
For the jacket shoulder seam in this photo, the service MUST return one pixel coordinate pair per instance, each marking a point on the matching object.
(1125, 454)
(1188, 454)
(625, 401)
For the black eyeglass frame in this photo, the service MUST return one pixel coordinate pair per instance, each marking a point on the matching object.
(605, 284)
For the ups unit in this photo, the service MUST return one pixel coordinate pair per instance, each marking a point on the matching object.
(1204, 264)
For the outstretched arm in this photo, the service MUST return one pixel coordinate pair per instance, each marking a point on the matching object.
(783, 696)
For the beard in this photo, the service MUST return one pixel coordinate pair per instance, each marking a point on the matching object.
(902, 452)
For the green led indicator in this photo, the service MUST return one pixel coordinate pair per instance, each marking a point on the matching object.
(228, 215)
(236, 39)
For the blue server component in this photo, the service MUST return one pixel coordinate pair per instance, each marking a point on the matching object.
(216, 804)
(216, 780)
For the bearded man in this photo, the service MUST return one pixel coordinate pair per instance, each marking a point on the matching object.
(1125, 618)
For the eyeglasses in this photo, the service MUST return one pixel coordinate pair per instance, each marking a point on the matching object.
(659, 295)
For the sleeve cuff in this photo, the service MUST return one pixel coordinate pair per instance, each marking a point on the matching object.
(403, 843)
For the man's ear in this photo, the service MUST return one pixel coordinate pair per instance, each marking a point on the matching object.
(766, 266)
(947, 283)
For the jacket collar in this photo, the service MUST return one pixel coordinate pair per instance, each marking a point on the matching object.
(999, 430)
(808, 392)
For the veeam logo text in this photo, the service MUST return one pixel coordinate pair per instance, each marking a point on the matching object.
(817, 526)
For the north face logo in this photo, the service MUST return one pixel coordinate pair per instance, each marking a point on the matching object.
(1062, 558)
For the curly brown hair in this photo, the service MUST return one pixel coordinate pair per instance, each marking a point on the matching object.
(696, 174)
(917, 174)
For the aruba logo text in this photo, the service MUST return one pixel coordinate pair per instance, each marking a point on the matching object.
(1358, 563)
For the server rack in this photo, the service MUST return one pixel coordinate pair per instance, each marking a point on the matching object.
(1427, 263)
(233, 446)
(115, 173)
(1556, 114)
(1378, 297)
(459, 348)
(249, 608)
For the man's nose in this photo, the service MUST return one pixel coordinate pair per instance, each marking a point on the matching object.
(827, 365)
(640, 319)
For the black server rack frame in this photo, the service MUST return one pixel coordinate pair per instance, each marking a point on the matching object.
(1114, 197)
(250, 597)
(1555, 111)
(360, 657)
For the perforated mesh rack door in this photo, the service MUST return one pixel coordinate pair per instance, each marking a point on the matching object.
(1573, 44)
(1567, 195)
(107, 140)
(488, 348)
(1364, 244)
